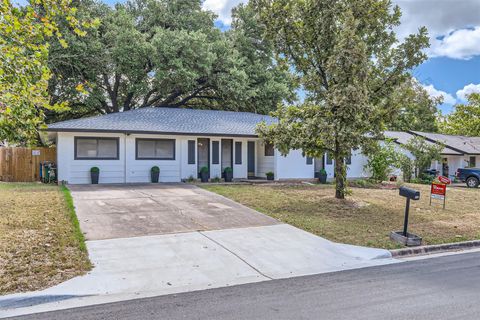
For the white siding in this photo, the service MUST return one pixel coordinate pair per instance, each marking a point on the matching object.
(78, 171)
(292, 166)
(264, 163)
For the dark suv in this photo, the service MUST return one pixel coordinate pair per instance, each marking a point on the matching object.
(471, 176)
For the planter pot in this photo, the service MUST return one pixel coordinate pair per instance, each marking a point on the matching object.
(204, 176)
(94, 176)
(228, 176)
(270, 177)
(322, 178)
(155, 176)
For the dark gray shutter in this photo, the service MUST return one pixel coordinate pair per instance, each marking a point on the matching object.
(215, 152)
(238, 152)
(191, 151)
(309, 160)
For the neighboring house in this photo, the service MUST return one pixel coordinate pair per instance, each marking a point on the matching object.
(126, 145)
(459, 151)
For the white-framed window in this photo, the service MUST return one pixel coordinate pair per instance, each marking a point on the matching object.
(96, 148)
(154, 149)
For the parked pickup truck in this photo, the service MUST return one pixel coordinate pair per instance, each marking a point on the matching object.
(471, 176)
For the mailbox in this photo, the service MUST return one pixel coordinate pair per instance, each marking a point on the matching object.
(409, 193)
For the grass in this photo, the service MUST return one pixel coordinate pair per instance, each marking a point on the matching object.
(367, 216)
(40, 239)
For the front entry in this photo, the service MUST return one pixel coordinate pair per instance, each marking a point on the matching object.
(251, 158)
(203, 154)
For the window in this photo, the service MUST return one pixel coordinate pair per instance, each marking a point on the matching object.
(348, 159)
(215, 152)
(238, 152)
(155, 149)
(309, 160)
(90, 148)
(473, 162)
(269, 151)
(329, 158)
(191, 151)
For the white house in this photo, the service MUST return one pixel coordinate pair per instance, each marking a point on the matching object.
(126, 145)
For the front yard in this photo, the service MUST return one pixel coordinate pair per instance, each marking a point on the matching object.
(40, 241)
(367, 216)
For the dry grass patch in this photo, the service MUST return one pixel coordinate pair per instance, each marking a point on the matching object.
(40, 242)
(367, 216)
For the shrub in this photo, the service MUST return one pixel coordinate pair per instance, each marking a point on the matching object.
(204, 170)
(228, 170)
(269, 174)
(381, 160)
(155, 169)
(405, 164)
(95, 170)
(191, 179)
(216, 179)
(322, 172)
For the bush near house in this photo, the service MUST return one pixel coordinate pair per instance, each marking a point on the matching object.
(40, 239)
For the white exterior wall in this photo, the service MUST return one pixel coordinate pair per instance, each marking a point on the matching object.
(354, 170)
(292, 166)
(264, 163)
(78, 171)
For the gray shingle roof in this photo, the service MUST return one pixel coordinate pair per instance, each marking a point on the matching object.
(469, 145)
(403, 138)
(169, 120)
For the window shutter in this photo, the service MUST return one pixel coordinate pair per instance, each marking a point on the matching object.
(191, 151)
(309, 160)
(215, 152)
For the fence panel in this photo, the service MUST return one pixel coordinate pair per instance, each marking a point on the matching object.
(23, 164)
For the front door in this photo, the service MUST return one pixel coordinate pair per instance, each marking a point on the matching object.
(251, 158)
(203, 154)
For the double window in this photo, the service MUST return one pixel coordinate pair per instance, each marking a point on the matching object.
(92, 148)
(155, 149)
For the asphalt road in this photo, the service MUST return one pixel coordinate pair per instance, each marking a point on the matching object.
(438, 288)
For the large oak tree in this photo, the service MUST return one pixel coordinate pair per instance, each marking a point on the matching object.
(168, 53)
(350, 63)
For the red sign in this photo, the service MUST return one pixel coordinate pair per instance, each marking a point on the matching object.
(439, 189)
(444, 180)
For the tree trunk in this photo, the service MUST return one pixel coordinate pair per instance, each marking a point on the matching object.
(340, 177)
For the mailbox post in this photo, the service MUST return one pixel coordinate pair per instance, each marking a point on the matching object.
(404, 237)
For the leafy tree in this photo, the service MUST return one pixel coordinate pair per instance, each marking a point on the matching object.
(424, 153)
(382, 158)
(405, 164)
(350, 63)
(465, 119)
(24, 74)
(168, 53)
(416, 110)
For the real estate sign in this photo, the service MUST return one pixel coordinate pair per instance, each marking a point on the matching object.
(438, 191)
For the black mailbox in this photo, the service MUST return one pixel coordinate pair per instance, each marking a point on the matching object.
(409, 193)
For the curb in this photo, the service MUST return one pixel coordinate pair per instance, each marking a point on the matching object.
(435, 248)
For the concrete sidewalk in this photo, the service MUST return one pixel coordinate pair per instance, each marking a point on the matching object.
(129, 268)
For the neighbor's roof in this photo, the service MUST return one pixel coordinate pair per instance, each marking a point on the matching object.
(168, 121)
(454, 145)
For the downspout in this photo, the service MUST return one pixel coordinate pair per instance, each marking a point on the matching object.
(125, 158)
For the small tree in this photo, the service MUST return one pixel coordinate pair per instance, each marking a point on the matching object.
(405, 164)
(424, 153)
(382, 158)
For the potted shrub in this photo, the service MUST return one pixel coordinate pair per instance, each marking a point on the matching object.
(204, 174)
(94, 174)
(322, 176)
(155, 174)
(228, 174)
(269, 175)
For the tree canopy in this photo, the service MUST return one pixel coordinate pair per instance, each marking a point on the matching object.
(465, 118)
(168, 53)
(24, 75)
(349, 61)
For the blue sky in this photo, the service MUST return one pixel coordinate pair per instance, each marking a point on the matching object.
(453, 68)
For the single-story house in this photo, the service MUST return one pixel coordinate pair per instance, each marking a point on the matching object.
(458, 151)
(126, 145)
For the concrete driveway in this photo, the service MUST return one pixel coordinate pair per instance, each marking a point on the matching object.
(123, 211)
(150, 240)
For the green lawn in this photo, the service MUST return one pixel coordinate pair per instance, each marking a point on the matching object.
(367, 216)
(40, 240)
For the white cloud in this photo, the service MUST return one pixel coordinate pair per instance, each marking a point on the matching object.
(467, 90)
(453, 26)
(223, 8)
(435, 93)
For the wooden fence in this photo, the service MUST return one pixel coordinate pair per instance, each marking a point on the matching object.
(23, 164)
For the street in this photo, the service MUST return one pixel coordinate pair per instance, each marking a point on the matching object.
(445, 287)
